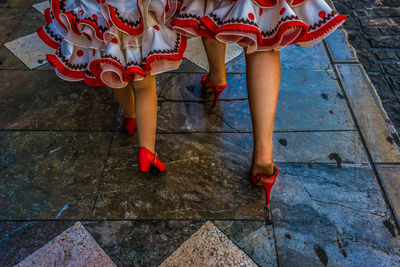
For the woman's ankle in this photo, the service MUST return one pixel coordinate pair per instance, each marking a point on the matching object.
(217, 78)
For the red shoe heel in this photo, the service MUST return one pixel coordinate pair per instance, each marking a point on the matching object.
(267, 182)
(129, 125)
(217, 89)
(145, 158)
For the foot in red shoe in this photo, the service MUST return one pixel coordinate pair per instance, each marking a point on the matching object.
(267, 182)
(129, 125)
(145, 158)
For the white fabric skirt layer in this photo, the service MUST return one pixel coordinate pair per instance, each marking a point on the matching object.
(110, 42)
(258, 25)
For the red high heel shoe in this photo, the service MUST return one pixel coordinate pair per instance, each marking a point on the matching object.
(217, 89)
(129, 125)
(145, 158)
(267, 182)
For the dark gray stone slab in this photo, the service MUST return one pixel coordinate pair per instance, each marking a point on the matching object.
(207, 174)
(9, 61)
(16, 4)
(339, 47)
(390, 178)
(253, 237)
(48, 175)
(325, 215)
(379, 133)
(292, 57)
(40, 100)
(19, 239)
(31, 20)
(141, 242)
(184, 86)
(188, 66)
(206, 177)
(8, 19)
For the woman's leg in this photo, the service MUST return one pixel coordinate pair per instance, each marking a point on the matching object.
(126, 100)
(263, 78)
(215, 51)
(146, 111)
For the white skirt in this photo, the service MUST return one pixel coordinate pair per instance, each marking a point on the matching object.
(110, 42)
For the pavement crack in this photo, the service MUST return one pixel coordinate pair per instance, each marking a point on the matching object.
(330, 202)
(230, 126)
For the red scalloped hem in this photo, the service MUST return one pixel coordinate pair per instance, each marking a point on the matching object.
(184, 23)
(96, 70)
(173, 57)
(46, 38)
(99, 34)
(93, 81)
(47, 16)
(56, 62)
(326, 28)
(122, 26)
(304, 36)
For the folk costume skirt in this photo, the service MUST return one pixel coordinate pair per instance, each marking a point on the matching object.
(111, 42)
(258, 25)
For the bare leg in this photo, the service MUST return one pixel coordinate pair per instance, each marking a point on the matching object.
(146, 111)
(126, 100)
(215, 51)
(263, 78)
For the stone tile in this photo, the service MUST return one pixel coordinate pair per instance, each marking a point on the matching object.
(8, 19)
(313, 92)
(19, 239)
(376, 128)
(207, 174)
(187, 66)
(390, 180)
(74, 247)
(9, 61)
(339, 47)
(253, 237)
(48, 175)
(292, 57)
(41, 6)
(208, 247)
(40, 100)
(141, 242)
(184, 86)
(30, 50)
(195, 52)
(325, 215)
(31, 20)
(16, 3)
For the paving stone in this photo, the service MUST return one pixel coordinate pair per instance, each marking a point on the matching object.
(15, 3)
(324, 215)
(30, 50)
(187, 66)
(41, 6)
(390, 180)
(48, 175)
(9, 61)
(208, 247)
(207, 174)
(8, 19)
(368, 110)
(339, 48)
(31, 20)
(19, 239)
(195, 52)
(253, 237)
(141, 242)
(74, 247)
(40, 100)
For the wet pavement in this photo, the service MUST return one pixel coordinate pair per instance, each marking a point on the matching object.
(70, 187)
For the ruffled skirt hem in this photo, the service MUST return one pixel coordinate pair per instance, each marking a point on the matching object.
(259, 25)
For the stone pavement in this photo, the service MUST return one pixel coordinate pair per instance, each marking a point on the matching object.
(71, 193)
(373, 27)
